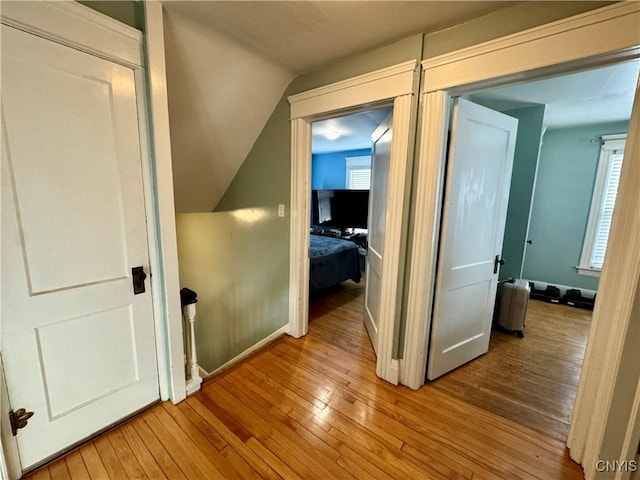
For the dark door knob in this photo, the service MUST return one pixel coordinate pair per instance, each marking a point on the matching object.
(497, 261)
(138, 277)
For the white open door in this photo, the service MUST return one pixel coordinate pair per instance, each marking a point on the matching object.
(78, 345)
(380, 165)
(475, 206)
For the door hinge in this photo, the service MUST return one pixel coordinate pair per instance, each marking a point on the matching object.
(19, 419)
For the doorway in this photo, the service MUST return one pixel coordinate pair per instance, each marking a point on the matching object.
(344, 187)
(496, 63)
(391, 86)
(534, 380)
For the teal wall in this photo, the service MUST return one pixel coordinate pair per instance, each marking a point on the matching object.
(525, 163)
(564, 186)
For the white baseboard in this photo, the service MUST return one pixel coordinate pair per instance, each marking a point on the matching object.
(563, 288)
(281, 331)
(203, 372)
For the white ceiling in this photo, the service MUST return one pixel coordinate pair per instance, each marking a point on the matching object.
(229, 62)
(304, 35)
(355, 131)
(593, 96)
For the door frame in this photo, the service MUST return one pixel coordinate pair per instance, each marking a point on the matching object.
(595, 38)
(82, 28)
(393, 85)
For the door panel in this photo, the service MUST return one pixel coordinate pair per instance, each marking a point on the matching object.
(380, 163)
(78, 346)
(90, 174)
(476, 197)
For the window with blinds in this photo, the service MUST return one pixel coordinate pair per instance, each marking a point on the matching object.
(358, 173)
(602, 204)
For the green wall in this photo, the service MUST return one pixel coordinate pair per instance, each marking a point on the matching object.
(263, 181)
(264, 178)
(525, 163)
(127, 11)
(516, 18)
(564, 186)
(230, 259)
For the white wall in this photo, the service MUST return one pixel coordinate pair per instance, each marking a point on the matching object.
(220, 97)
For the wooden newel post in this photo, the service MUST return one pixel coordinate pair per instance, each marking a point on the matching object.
(188, 299)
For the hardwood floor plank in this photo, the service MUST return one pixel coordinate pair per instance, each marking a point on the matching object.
(109, 458)
(191, 445)
(41, 474)
(200, 404)
(269, 458)
(203, 427)
(160, 455)
(92, 461)
(243, 468)
(126, 456)
(76, 466)
(180, 453)
(313, 408)
(282, 413)
(59, 470)
(273, 433)
(207, 448)
(144, 457)
(318, 422)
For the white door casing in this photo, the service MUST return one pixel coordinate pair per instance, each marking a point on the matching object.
(82, 28)
(476, 197)
(583, 41)
(395, 85)
(380, 166)
(78, 345)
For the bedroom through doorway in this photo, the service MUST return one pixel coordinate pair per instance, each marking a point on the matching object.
(343, 213)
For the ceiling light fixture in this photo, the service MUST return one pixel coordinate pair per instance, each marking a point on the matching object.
(332, 135)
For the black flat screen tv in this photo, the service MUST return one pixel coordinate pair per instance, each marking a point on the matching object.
(340, 208)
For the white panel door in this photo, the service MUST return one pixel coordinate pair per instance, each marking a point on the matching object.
(78, 346)
(473, 219)
(380, 162)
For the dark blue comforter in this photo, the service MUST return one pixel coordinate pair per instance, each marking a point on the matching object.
(333, 260)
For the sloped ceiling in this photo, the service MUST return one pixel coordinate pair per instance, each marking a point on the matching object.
(220, 96)
(228, 63)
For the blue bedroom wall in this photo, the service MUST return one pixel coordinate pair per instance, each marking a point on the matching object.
(328, 170)
(564, 186)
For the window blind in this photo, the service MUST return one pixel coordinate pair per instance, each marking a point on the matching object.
(359, 178)
(606, 209)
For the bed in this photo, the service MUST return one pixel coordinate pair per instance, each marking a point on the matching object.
(333, 260)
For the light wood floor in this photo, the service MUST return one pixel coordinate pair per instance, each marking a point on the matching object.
(532, 380)
(312, 408)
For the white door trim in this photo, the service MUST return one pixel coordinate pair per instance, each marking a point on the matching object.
(72, 24)
(602, 36)
(84, 29)
(426, 234)
(164, 252)
(390, 84)
(599, 32)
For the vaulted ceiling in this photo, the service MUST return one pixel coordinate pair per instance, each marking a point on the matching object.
(229, 62)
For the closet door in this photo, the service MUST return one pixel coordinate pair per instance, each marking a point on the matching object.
(78, 343)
